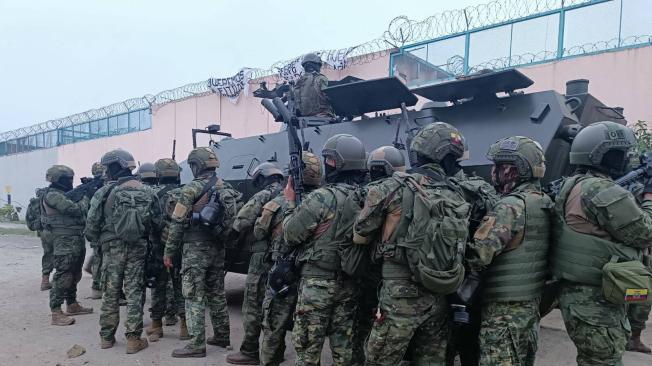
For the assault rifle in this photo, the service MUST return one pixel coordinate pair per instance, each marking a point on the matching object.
(644, 170)
(409, 132)
(88, 188)
(295, 145)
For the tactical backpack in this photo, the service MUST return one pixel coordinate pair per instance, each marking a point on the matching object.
(434, 232)
(354, 258)
(33, 214)
(131, 215)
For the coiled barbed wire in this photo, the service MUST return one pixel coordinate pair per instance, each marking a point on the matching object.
(400, 31)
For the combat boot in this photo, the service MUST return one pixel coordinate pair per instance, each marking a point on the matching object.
(45, 283)
(220, 342)
(241, 359)
(134, 345)
(59, 318)
(183, 330)
(155, 330)
(78, 309)
(189, 352)
(635, 344)
(96, 294)
(107, 343)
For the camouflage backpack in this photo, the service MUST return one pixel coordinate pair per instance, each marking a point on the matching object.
(33, 214)
(131, 215)
(434, 228)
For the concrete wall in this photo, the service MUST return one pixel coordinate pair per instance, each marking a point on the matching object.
(24, 173)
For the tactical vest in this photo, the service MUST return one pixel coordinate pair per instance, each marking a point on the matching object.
(578, 257)
(258, 245)
(519, 274)
(108, 230)
(310, 99)
(322, 258)
(271, 222)
(200, 232)
(58, 223)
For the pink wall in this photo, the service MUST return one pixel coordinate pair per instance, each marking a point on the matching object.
(622, 78)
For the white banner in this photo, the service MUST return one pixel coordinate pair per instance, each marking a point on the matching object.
(232, 87)
(337, 59)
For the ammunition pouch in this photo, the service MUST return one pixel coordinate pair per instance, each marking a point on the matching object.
(314, 271)
(395, 271)
(67, 231)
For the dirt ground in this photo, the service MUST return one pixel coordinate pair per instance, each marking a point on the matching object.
(28, 339)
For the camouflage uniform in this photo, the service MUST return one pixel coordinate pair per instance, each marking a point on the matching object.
(407, 314)
(638, 315)
(309, 96)
(327, 300)
(510, 317)
(259, 266)
(277, 310)
(202, 264)
(598, 328)
(47, 260)
(64, 223)
(123, 263)
(166, 300)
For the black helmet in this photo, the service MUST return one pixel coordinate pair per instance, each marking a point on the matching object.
(603, 145)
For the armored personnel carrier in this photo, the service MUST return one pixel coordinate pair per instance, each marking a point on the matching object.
(484, 107)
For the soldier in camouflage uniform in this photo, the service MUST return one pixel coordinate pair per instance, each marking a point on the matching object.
(64, 221)
(33, 217)
(308, 92)
(267, 177)
(96, 258)
(202, 267)
(408, 315)
(123, 261)
(168, 174)
(147, 174)
(382, 164)
(594, 219)
(319, 227)
(510, 254)
(279, 307)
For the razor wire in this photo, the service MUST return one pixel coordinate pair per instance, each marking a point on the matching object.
(401, 31)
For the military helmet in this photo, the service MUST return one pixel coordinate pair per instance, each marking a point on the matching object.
(55, 172)
(522, 152)
(388, 158)
(595, 140)
(347, 151)
(119, 156)
(311, 57)
(204, 158)
(97, 169)
(146, 170)
(436, 140)
(167, 168)
(266, 170)
(312, 169)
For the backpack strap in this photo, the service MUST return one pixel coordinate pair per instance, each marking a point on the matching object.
(439, 178)
(207, 187)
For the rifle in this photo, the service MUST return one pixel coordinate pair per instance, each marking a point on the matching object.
(409, 131)
(88, 188)
(644, 170)
(295, 145)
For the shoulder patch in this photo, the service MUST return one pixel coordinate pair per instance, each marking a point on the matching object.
(483, 231)
(179, 211)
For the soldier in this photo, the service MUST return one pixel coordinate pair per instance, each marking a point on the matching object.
(267, 177)
(382, 164)
(120, 219)
(318, 228)
(408, 314)
(509, 253)
(595, 219)
(147, 174)
(308, 92)
(278, 306)
(96, 258)
(64, 221)
(201, 230)
(638, 314)
(33, 221)
(168, 174)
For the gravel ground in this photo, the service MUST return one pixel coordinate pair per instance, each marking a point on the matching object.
(27, 338)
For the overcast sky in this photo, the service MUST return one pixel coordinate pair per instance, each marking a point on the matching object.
(63, 57)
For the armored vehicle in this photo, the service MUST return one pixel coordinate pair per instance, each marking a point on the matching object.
(484, 107)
